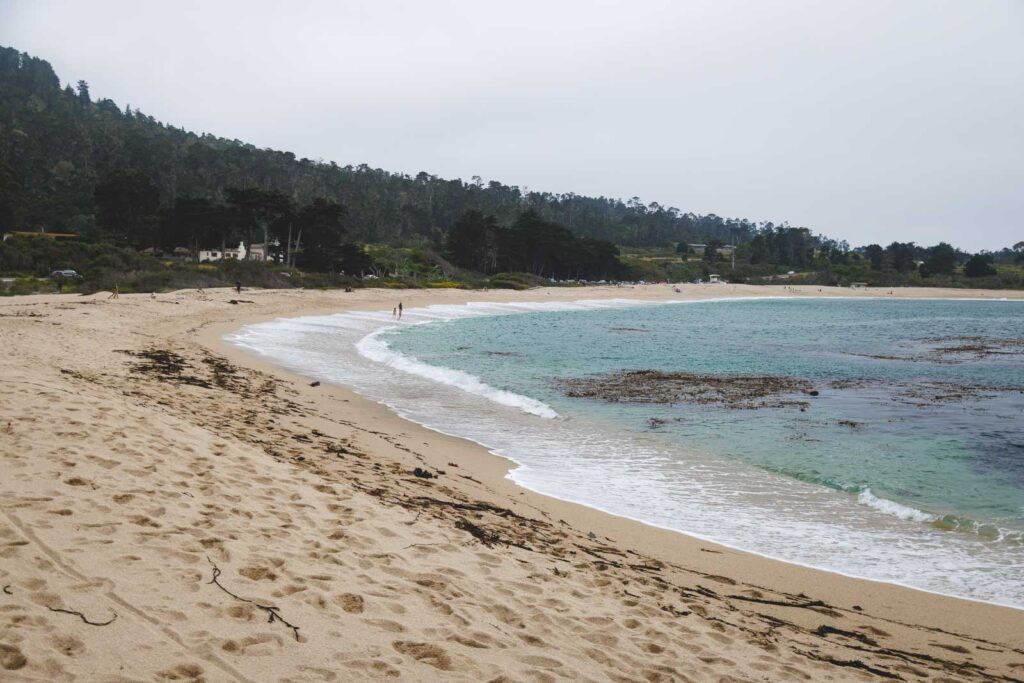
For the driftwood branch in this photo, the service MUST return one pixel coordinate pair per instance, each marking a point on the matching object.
(83, 617)
(272, 612)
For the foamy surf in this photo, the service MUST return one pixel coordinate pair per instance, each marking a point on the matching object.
(889, 507)
(376, 349)
(956, 523)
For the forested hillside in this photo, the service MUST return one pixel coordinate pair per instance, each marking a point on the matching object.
(58, 144)
(133, 189)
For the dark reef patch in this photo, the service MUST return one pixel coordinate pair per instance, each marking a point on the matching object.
(656, 386)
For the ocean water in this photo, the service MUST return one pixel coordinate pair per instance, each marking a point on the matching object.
(907, 467)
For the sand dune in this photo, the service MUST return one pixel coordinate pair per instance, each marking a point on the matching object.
(172, 510)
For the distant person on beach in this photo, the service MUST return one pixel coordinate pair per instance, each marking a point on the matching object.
(238, 286)
(114, 294)
(394, 312)
(399, 310)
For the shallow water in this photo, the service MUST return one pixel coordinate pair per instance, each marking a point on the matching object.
(914, 475)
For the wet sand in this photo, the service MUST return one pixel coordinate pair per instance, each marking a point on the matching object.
(176, 509)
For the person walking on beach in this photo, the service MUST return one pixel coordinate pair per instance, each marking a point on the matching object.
(238, 286)
(394, 312)
(114, 294)
(399, 310)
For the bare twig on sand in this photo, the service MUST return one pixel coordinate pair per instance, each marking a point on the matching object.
(272, 612)
(83, 617)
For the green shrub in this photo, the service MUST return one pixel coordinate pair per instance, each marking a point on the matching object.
(27, 285)
(500, 283)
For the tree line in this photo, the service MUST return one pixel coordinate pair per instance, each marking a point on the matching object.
(58, 145)
(796, 248)
(942, 259)
(532, 245)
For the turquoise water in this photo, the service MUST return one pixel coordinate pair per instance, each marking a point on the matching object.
(958, 458)
(910, 470)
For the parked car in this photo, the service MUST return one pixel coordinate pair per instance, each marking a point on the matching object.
(65, 273)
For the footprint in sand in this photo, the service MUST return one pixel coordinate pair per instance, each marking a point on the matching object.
(68, 646)
(257, 573)
(190, 673)
(350, 602)
(254, 646)
(543, 662)
(480, 643)
(531, 639)
(386, 625)
(11, 658)
(426, 653)
(142, 520)
(290, 589)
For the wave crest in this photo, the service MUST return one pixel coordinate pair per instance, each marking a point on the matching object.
(944, 522)
(889, 507)
(378, 350)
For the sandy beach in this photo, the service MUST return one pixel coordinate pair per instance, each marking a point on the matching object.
(174, 509)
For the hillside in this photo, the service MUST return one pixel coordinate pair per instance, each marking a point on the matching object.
(58, 143)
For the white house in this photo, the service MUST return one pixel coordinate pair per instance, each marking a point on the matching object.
(208, 255)
(258, 252)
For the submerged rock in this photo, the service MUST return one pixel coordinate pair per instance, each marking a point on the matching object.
(657, 386)
(951, 350)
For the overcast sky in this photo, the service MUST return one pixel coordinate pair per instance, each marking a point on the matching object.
(866, 120)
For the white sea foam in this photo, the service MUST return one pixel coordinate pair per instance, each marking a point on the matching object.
(949, 522)
(377, 350)
(890, 507)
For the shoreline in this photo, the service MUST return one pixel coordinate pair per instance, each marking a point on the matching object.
(661, 294)
(511, 464)
(140, 449)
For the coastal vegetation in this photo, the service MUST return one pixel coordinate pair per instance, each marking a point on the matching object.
(140, 201)
(900, 264)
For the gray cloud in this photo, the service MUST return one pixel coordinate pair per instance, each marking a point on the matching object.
(867, 120)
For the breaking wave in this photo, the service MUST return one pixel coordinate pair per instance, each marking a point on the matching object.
(378, 350)
(889, 507)
(943, 522)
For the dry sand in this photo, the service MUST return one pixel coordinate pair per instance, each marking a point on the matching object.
(173, 509)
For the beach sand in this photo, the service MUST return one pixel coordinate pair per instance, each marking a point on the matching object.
(173, 509)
